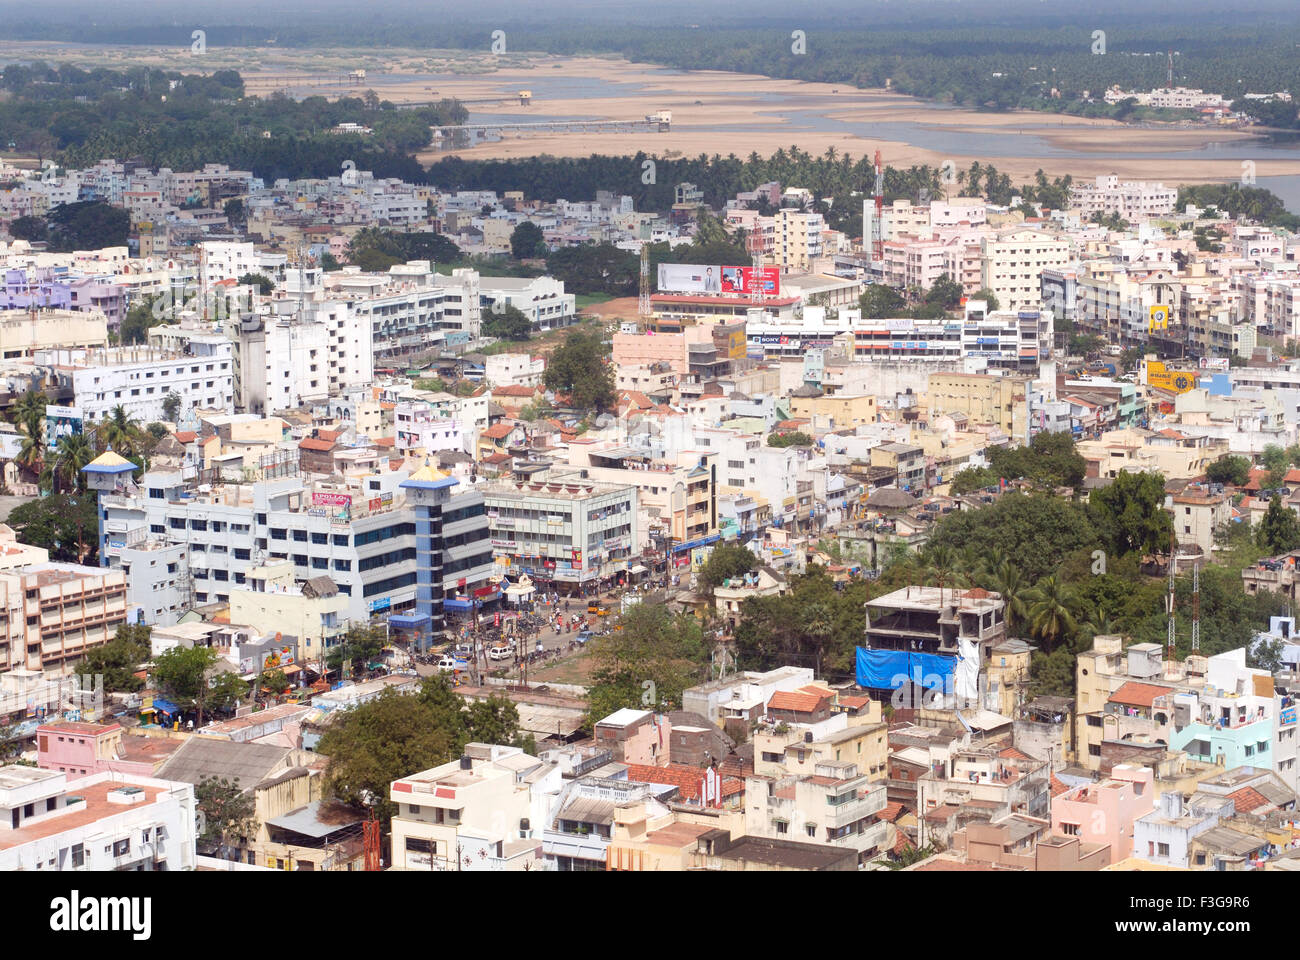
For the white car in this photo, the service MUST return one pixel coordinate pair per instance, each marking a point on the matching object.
(500, 652)
(447, 664)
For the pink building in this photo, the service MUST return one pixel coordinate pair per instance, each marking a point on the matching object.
(635, 736)
(1105, 812)
(644, 349)
(83, 749)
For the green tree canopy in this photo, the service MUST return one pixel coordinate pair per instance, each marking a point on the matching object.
(879, 302)
(396, 735)
(67, 525)
(509, 323)
(578, 368)
(648, 663)
(1279, 529)
(187, 676)
(119, 659)
(1129, 514)
(727, 560)
(527, 242)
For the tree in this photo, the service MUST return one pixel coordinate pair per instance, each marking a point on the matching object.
(970, 479)
(1129, 514)
(910, 854)
(648, 663)
(360, 644)
(118, 660)
(509, 323)
(67, 525)
(31, 229)
(87, 225)
(794, 438)
(987, 295)
(122, 432)
(1276, 463)
(727, 560)
(526, 242)
(1279, 529)
(879, 302)
(188, 676)
(945, 293)
(578, 368)
(1010, 583)
(142, 317)
(228, 814)
(1039, 531)
(396, 735)
(263, 283)
(71, 454)
(1050, 460)
(172, 406)
(1050, 616)
(234, 211)
(1229, 469)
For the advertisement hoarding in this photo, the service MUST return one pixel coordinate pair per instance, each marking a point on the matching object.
(712, 279)
(332, 499)
(61, 422)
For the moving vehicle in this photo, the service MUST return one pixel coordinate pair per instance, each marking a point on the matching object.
(449, 664)
(500, 651)
(583, 636)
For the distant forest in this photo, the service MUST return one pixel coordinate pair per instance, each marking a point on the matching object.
(1004, 62)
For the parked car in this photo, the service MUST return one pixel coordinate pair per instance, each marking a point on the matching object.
(465, 650)
(500, 652)
(583, 636)
(448, 664)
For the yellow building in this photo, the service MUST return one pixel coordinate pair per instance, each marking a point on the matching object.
(844, 410)
(788, 752)
(274, 602)
(23, 333)
(984, 399)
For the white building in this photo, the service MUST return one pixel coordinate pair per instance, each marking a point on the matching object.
(1132, 200)
(514, 370)
(110, 821)
(541, 299)
(139, 379)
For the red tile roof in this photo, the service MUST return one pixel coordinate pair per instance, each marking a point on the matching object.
(1011, 753)
(312, 444)
(1248, 799)
(795, 702)
(687, 779)
(893, 810)
(514, 391)
(1057, 787)
(186, 436)
(499, 431)
(1135, 694)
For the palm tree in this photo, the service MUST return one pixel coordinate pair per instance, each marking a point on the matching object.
(1101, 623)
(28, 412)
(817, 627)
(31, 456)
(1011, 585)
(1050, 617)
(121, 432)
(941, 568)
(71, 454)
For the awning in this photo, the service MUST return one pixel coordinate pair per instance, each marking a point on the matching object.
(291, 669)
(639, 568)
(164, 706)
(454, 604)
(408, 621)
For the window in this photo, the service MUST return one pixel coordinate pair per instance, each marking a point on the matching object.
(812, 829)
(782, 828)
(1070, 829)
(1162, 849)
(78, 855)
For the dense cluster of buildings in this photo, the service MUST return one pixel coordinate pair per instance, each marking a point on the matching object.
(352, 449)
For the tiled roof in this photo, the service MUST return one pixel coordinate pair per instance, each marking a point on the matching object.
(688, 780)
(1135, 694)
(795, 702)
(498, 431)
(312, 444)
(1057, 786)
(1011, 753)
(1248, 799)
(893, 810)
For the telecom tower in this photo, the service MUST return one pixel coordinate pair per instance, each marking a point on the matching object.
(755, 243)
(1170, 77)
(1196, 607)
(643, 303)
(877, 222)
(1170, 602)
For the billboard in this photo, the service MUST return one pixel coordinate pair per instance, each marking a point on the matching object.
(332, 499)
(1159, 314)
(61, 422)
(715, 279)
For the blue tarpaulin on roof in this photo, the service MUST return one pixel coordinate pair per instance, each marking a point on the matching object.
(164, 706)
(890, 669)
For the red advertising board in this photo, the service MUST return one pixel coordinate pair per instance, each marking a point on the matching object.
(331, 499)
(767, 280)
